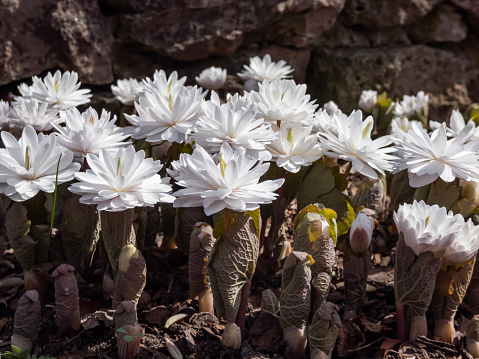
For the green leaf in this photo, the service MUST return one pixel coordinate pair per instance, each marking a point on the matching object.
(400, 190)
(383, 113)
(185, 220)
(232, 263)
(78, 227)
(128, 338)
(121, 330)
(17, 223)
(295, 299)
(255, 216)
(318, 181)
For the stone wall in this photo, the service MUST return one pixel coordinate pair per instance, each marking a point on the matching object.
(338, 47)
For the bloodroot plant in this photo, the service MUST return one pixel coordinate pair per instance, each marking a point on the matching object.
(425, 233)
(229, 184)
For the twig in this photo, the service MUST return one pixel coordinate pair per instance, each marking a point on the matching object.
(73, 338)
(364, 346)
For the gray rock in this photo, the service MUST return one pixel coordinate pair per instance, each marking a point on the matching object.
(443, 24)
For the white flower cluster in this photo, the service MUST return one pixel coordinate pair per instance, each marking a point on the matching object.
(433, 229)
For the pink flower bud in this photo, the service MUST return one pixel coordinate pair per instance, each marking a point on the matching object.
(361, 233)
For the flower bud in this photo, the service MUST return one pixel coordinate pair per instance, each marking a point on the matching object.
(368, 100)
(361, 233)
(330, 107)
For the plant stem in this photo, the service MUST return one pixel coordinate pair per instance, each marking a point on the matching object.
(240, 317)
(344, 182)
(227, 219)
(400, 322)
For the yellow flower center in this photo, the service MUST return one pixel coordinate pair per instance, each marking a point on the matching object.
(119, 172)
(290, 137)
(28, 165)
(222, 165)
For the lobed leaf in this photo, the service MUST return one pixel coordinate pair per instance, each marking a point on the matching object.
(201, 244)
(295, 299)
(324, 329)
(186, 218)
(66, 298)
(232, 263)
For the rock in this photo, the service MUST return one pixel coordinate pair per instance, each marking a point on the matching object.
(44, 34)
(301, 30)
(443, 24)
(399, 70)
(85, 39)
(378, 14)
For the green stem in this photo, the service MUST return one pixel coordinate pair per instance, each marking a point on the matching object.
(55, 194)
(344, 181)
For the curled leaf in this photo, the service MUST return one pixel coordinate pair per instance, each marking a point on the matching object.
(269, 302)
(414, 279)
(117, 230)
(312, 236)
(128, 331)
(451, 287)
(324, 329)
(201, 244)
(27, 320)
(78, 226)
(356, 269)
(295, 299)
(186, 220)
(175, 318)
(131, 276)
(66, 298)
(232, 264)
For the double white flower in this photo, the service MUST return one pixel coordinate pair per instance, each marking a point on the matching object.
(410, 105)
(283, 100)
(116, 182)
(232, 182)
(169, 118)
(126, 91)
(260, 70)
(60, 91)
(29, 165)
(295, 147)
(238, 127)
(353, 142)
(212, 78)
(430, 157)
(427, 228)
(88, 133)
(39, 115)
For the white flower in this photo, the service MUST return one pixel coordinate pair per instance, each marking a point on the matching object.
(88, 133)
(353, 143)
(29, 111)
(29, 165)
(260, 70)
(126, 91)
(164, 86)
(330, 107)
(322, 121)
(283, 100)
(238, 127)
(456, 125)
(368, 100)
(361, 233)
(4, 114)
(60, 91)
(427, 228)
(116, 182)
(295, 147)
(400, 125)
(166, 118)
(231, 183)
(465, 247)
(25, 90)
(411, 105)
(212, 78)
(429, 157)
